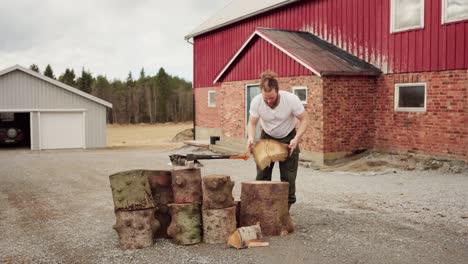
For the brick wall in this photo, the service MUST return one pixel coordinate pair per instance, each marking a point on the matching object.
(441, 130)
(206, 116)
(348, 113)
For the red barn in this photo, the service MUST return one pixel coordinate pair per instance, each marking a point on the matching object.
(386, 75)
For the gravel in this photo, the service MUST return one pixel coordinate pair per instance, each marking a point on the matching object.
(56, 207)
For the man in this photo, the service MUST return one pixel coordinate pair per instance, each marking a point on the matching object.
(277, 112)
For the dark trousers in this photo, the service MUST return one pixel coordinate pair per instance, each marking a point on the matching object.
(288, 168)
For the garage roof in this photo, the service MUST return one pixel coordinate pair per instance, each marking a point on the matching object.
(57, 83)
(235, 11)
(317, 55)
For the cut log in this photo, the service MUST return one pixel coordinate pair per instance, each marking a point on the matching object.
(186, 185)
(135, 228)
(238, 207)
(242, 235)
(161, 190)
(266, 151)
(267, 203)
(163, 215)
(217, 192)
(131, 190)
(218, 224)
(185, 227)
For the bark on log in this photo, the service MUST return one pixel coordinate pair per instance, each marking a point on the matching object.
(266, 151)
(267, 203)
(186, 185)
(161, 189)
(135, 228)
(238, 207)
(185, 227)
(217, 192)
(131, 190)
(218, 224)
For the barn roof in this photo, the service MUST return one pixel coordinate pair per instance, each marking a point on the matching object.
(235, 11)
(57, 83)
(317, 55)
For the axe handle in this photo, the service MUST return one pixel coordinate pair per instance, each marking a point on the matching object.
(191, 157)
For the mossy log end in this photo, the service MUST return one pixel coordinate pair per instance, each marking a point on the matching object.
(217, 192)
(218, 224)
(267, 203)
(131, 190)
(185, 227)
(136, 229)
(186, 185)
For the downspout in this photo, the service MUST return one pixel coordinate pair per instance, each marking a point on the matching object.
(193, 93)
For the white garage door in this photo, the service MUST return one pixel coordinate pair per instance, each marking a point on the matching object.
(61, 130)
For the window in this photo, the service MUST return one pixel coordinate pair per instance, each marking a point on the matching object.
(406, 14)
(7, 116)
(454, 10)
(410, 97)
(301, 92)
(211, 98)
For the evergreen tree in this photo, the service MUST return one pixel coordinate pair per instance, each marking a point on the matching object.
(68, 77)
(49, 72)
(85, 82)
(34, 67)
(163, 92)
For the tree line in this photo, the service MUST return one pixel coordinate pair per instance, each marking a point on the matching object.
(147, 99)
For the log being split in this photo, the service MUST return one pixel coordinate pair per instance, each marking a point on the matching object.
(185, 227)
(161, 188)
(218, 224)
(217, 192)
(186, 185)
(267, 203)
(131, 190)
(266, 151)
(135, 228)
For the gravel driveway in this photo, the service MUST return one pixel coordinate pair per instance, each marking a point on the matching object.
(56, 207)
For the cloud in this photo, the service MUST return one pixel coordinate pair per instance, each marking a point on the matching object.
(109, 37)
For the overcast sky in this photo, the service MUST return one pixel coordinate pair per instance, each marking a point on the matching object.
(109, 37)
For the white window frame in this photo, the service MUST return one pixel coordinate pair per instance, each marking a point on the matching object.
(409, 109)
(393, 14)
(446, 20)
(209, 101)
(294, 88)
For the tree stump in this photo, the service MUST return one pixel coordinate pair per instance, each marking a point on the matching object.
(135, 228)
(161, 189)
(217, 192)
(218, 224)
(186, 185)
(267, 203)
(131, 190)
(185, 227)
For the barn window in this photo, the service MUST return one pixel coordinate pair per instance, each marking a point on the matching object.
(410, 97)
(454, 10)
(211, 98)
(301, 92)
(406, 15)
(7, 116)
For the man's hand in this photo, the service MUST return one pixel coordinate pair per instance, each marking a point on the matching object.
(250, 142)
(293, 145)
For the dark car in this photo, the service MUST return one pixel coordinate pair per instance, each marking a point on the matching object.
(10, 133)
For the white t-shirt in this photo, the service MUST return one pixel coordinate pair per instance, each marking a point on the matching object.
(278, 122)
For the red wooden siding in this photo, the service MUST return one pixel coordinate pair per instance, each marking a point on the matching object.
(361, 27)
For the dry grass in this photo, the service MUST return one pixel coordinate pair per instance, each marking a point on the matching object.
(145, 136)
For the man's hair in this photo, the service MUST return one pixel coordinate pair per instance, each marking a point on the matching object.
(268, 81)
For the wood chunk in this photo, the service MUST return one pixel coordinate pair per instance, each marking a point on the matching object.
(186, 186)
(218, 224)
(239, 238)
(257, 243)
(217, 192)
(185, 227)
(135, 228)
(266, 151)
(267, 203)
(131, 190)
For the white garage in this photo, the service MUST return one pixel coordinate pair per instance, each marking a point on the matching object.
(49, 114)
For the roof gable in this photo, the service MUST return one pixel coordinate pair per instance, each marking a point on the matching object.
(318, 56)
(56, 83)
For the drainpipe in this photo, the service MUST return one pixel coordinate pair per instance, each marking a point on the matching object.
(193, 94)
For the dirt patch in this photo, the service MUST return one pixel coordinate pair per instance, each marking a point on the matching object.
(185, 135)
(146, 136)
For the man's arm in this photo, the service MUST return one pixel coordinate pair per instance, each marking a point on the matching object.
(252, 126)
(303, 124)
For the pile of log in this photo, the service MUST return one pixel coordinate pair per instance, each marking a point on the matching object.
(134, 209)
(161, 189)
(218, 209)
(185, 227)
